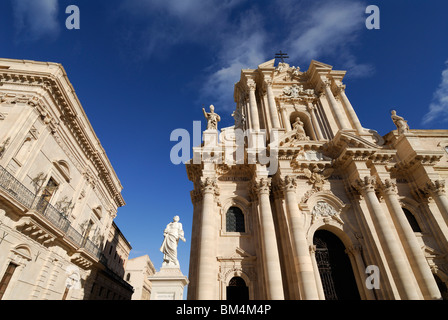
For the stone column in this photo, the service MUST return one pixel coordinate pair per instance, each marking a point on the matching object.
(253, 106)
(285, 119)
(437, 190)
(206, 273)
(335, 106)
(274, 284)
(272, 105)
(394, 255)
(311, 109)
(307, 281)
(416, 257)
(351, 112)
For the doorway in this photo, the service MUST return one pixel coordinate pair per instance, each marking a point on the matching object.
(237, 289)
(335, 269)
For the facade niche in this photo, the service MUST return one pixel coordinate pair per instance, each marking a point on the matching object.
(304, 126)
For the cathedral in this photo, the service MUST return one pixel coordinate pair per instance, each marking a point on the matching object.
(298, 201)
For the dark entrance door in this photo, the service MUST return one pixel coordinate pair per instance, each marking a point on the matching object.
(335, 269)
(237, 289)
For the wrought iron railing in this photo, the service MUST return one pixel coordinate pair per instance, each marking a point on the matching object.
(15, 189)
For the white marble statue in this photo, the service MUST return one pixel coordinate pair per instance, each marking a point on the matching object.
(212, 118)
(173, 232)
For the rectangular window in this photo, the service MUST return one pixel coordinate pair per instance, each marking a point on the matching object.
(6, 278)
(46, 195)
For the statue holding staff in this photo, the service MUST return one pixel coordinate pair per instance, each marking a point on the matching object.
(173, 232)
(212, 118)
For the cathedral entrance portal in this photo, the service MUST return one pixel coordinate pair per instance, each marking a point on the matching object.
(237, 289)
(334, 266)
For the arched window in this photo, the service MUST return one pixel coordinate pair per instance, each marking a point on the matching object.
(128, 277)
(412, 221)
(235, 220)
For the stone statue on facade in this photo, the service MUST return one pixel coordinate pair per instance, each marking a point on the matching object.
(402, 125)
(239, 117)
(212, 118)
(173, 232)
(299, 130)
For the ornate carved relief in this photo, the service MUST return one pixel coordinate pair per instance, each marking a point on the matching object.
(325, 211)
(317, 177)
(297, 91)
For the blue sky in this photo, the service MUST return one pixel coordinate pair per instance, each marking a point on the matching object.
(142, 68)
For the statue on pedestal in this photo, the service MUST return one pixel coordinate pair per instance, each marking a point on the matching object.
(212, 118)
(173, 232)
(402, 125)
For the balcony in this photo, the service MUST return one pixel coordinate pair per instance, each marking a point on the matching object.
(49, 216)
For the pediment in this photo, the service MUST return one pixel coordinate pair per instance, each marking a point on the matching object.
(320, 65)
(267, 64)
(239, 254)
(345, 139)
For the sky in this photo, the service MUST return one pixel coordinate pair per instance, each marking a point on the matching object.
(143, 68)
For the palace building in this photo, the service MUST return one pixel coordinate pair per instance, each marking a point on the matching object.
(299, 201)
(59, 193)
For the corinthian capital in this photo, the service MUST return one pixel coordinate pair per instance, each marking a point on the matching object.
(268, 82)
(436, 186)
(263, 185)
(251, 84)
(290, 183)
(326, 83)
(340, 89)
(209, 185)
(366, 183)
(389, 186)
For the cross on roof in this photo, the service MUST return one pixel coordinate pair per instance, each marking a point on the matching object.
(281, 56)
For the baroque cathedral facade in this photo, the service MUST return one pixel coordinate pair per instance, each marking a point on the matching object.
(299, 201)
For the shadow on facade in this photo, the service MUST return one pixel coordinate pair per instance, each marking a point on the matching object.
(107, 281)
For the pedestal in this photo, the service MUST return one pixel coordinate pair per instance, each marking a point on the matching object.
(168, 284)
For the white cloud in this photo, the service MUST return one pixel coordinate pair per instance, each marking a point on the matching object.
(241, 34)
(164, 23)
(35, 19)
(438, 109)
(327, 30)
(242, 47)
